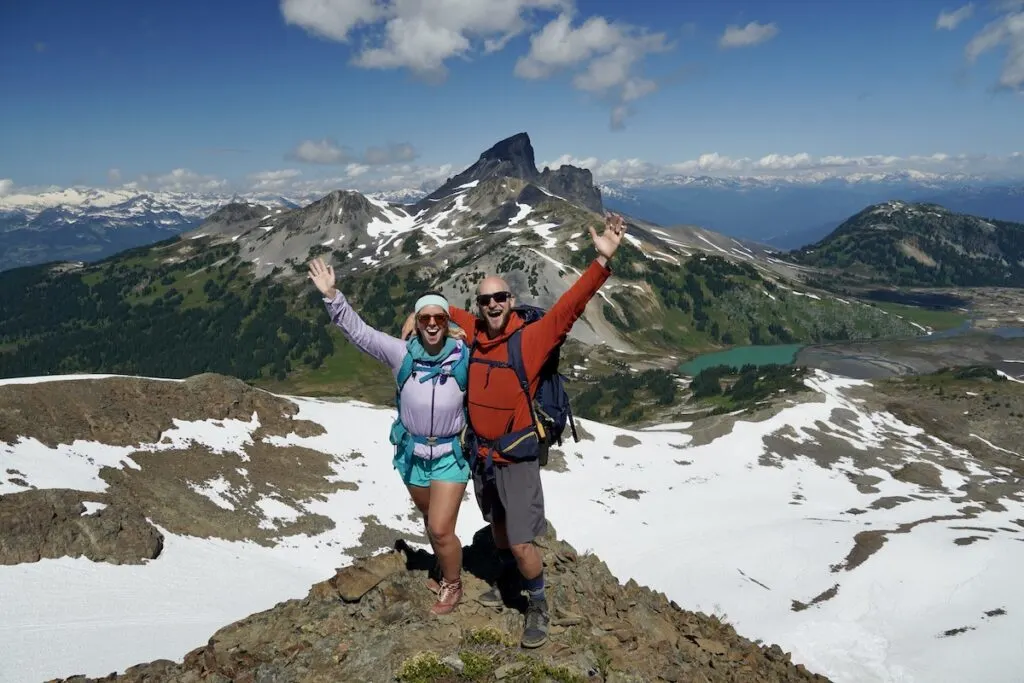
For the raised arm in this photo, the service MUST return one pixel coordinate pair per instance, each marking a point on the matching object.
(385, 348)
(463, 319)
(540, 338)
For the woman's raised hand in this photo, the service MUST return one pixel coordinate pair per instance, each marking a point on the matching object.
(322, 276)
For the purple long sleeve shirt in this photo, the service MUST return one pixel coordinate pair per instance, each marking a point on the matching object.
(428, 408)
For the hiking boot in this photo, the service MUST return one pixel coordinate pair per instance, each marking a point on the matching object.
(506, 585)
(491, 597)
(448, 596)
(535, 633)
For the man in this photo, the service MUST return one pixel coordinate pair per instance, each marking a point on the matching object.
(509, 493)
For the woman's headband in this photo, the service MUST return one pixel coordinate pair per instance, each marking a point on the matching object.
(431, 300)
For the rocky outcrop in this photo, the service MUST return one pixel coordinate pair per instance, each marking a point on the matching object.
(130, 411)
(54, 523)
(236, 218)
(574, 184)
(370, 622)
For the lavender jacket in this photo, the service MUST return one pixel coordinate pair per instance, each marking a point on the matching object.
(428, 408)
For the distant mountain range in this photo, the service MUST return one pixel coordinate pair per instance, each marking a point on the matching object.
(88, 224)
(788, 213)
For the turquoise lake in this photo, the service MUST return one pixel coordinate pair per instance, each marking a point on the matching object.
(738, 356)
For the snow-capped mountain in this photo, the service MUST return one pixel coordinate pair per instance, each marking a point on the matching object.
(869, 549)
(406, 195)
(501, 215)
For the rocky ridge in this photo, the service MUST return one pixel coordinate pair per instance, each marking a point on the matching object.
(370, 622)
(908, 244)
(113, 519)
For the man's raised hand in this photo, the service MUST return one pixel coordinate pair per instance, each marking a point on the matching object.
(322, 276)
(607, 243)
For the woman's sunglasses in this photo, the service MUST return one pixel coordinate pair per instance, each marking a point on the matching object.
(428, 318)
(499, 297)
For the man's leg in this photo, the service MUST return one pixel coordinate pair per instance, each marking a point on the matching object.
(493, 512)
(521, 493)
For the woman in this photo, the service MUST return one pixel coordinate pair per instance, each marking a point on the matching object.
(431, 371)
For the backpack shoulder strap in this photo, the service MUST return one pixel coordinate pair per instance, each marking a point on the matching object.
(515, 359)
(404, 372)
(461, 368)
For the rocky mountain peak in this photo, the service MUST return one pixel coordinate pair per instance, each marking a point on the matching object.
(514, 157)
(516, 150)
(237, 212)
(371, 622)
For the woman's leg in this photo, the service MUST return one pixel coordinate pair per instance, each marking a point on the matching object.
(445, 499)
(421, 499)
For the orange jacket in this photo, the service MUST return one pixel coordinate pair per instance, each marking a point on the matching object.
(497, 405)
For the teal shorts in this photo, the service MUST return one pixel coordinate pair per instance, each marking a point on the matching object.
(451, 467)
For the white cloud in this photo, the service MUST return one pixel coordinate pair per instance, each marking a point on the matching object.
(752, 34)
(179, 180)
(606, 55)
(950, 20)
(354, 176)
(328, 151)
(6, 186)
(427, 178)
(400, 152)
(330, 19)
(421, 35)
(324, 151)
(558, 45)
(791, 165)
(272, 180)
(1008, 31)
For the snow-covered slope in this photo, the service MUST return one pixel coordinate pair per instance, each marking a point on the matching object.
(804, 528)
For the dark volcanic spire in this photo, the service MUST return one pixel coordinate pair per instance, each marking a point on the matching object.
(516, 152)
(510, 158)
(513, 158)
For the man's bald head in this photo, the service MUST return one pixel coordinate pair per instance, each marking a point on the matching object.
(492, 284)
(494, 302)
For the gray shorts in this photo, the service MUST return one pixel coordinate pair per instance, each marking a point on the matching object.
(514, 496)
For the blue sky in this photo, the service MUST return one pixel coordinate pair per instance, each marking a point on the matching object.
(293, 93)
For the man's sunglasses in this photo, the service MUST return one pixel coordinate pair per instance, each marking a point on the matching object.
(428, 318)
(499, 297)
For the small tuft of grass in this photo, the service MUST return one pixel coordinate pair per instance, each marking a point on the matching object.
(560, 674)
(479, 666)
(491, 636)
(424, 667)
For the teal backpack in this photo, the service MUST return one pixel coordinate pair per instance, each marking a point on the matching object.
(438, 371)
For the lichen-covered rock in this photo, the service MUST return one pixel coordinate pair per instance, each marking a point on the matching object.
(371, 622)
